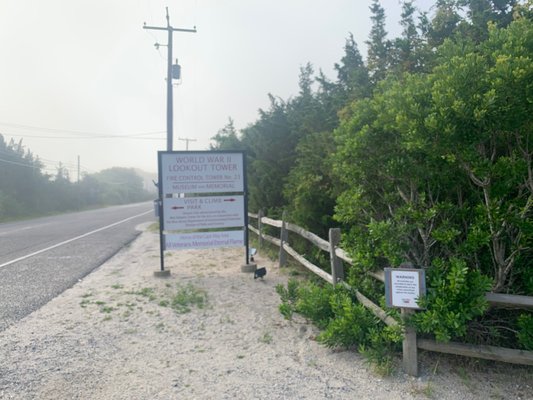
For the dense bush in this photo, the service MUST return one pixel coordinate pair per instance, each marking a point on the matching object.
(422, 153)
(344, 322)
(25, 190)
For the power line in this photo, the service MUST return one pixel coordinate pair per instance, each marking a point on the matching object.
(18, 163)
(78, 132)
(83, 137)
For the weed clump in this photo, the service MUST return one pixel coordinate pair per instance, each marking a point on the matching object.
(187, 296)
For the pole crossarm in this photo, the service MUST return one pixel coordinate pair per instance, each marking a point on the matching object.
(169, 28)
(170, 100)
(187, 140)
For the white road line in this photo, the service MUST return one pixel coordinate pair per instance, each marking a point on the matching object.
(24, 229)
(73, 239)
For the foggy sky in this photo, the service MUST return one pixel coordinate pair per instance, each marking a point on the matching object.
(72, 71)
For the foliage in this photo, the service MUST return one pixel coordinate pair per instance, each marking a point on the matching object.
(288, 297)
(378, 46)
(382, 345)
(343, 321)
(421, 153)
(351, 324)
(308, 299)
(311, 185)
(187, 296)
(455, 296)
(314, 303)
(525, 333)
(25, 190)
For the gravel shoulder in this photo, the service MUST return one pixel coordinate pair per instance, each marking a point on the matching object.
(117, 335)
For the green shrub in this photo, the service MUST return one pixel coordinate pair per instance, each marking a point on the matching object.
(350, 325)
(525, 332)
(314, 303)
(455, 296)
(383, 343)
(343, 321)
(288, 297)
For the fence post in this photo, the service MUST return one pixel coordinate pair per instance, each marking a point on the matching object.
(260, 228)
(284, 237)
(410, 351)
(337, 270)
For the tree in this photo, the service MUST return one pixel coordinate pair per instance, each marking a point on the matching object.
(120, 186)
(444, 23)
(409, 52)
(226, 138)
(378, 46)
(311, 188)
(484, 118)
(270, 145)
(352, 75)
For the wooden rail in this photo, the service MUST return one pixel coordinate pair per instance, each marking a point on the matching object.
(512, 356)
(325, 246)
(410, 342)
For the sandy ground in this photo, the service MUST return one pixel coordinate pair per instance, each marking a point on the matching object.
(114, 335)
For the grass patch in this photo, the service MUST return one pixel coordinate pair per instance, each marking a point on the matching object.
(426, 390)
(187, 296)
(266, 338)
(106, 309)
(226, 320)
(147, 292)
(85, 302)
(153, 227)
(117, 286)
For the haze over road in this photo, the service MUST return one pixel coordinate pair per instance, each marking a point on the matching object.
(41, 258)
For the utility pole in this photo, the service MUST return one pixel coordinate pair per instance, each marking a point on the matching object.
(170, 117)
(78, 185)
(187, 140)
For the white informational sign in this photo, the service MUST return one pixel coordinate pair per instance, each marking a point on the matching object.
(403, 287)
(203, 212)
(202, 172)
(204, 240)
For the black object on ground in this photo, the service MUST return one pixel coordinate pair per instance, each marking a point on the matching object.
(260, 273)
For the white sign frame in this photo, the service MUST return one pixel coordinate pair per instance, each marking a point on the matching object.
(186, 177)
(201, 172)
(183, 213)
(404, 286)
(204, 240)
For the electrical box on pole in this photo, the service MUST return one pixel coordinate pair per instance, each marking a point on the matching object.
(176, 71)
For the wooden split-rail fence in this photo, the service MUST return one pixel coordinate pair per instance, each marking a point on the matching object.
(411, 343)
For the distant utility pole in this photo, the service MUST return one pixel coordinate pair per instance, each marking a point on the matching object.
(187, 140)
(170, 30)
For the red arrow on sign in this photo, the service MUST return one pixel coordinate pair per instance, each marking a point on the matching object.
(229, 200)
(176, 208)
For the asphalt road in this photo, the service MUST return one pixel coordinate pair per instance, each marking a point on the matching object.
(43, 257)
